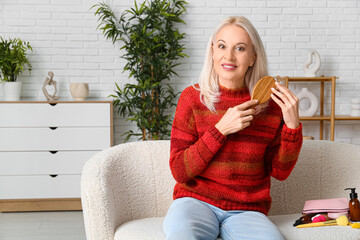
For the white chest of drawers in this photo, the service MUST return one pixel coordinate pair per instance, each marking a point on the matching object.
(43, 147)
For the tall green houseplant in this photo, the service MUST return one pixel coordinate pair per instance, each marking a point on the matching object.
(152, 43)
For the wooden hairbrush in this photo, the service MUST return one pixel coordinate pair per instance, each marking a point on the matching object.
(262, 89)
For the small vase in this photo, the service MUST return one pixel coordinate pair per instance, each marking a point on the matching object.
(314, 103)
(79, 91)
(12, 91)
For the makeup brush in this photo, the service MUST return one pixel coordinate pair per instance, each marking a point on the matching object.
(341, 221)
(355, 225)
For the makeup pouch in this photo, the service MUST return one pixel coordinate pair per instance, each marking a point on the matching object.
(334, 207)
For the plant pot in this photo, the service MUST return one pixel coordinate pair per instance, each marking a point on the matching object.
(79, 91)
(11, 91)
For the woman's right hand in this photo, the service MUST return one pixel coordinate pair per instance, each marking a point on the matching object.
(237, 118)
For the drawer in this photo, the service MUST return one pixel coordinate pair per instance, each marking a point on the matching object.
(23, 187)
(43, 163)
(60, 114)
(46, 139)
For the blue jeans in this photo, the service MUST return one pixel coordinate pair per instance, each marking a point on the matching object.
(192, 219)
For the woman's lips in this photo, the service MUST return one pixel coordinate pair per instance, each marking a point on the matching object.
(228, 66)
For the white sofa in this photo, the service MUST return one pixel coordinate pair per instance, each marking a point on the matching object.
(126, 190)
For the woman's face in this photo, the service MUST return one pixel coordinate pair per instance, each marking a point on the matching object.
(233, 54)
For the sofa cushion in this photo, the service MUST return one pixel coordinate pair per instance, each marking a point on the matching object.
(144, 229)
(151, 229)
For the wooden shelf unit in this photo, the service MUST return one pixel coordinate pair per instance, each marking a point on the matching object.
(321, 118)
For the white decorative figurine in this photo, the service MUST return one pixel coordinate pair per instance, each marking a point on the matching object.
(310, 67)
(50, 81)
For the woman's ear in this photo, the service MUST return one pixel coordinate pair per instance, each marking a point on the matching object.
(212, 51)
(252, 60)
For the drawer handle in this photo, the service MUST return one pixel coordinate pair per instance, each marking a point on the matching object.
(53, 104)
(53, 152)
(53, 175)
(53, 128)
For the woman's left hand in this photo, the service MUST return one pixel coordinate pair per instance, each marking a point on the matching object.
(288, 103)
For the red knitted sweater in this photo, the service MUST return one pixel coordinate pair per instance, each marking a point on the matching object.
(230, 172)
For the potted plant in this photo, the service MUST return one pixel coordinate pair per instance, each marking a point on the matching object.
(13, 59)
(152, 43)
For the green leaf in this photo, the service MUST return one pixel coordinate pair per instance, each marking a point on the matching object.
(13, 58)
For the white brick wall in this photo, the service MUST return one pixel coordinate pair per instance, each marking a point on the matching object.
(65, 40)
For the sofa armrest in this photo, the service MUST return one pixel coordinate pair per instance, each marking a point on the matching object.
(323, 170)
(123, 183)
(98, 203)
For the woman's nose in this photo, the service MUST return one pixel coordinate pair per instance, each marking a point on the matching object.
(229, 54)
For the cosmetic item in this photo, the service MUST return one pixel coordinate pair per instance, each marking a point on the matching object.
(334, 207)
(320, 218)
(305, 218)
(341, 221)
(355, 225)
(354, 206)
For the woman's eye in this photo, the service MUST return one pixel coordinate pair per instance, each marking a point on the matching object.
(221, 46)
(240, 49)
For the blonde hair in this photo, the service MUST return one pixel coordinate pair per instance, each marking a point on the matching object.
(209, 82)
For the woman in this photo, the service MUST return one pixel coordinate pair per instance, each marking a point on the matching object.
(225, 148)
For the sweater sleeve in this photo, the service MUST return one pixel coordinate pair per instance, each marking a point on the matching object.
(282, 154)
(189, 153)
